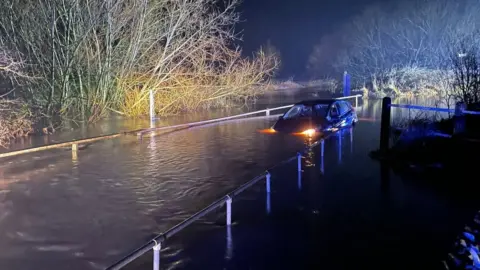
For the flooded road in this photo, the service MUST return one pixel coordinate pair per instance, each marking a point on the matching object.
(86, 212)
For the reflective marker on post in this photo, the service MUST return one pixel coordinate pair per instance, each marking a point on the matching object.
(229, 210)
(156, 256)
(267, 182)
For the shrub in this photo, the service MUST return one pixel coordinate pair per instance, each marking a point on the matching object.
(16, 120)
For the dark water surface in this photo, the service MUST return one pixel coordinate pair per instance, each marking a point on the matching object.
(87, 211)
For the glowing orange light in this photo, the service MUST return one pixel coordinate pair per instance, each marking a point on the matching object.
(267, 131)
(309, 132)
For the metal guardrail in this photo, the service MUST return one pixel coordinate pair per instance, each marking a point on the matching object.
(156, 243)
(435, 109)
(348, 97)
(74, 144)
(199, 123)
(421, 108)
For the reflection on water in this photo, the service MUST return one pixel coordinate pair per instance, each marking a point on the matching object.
(229, 249)
(309, 154)
(85, 210)
(311, 143)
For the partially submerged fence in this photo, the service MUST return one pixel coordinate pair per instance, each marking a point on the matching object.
(156, 243)
(74, 144)
(141, 132)
(385, 127)
(265, 111)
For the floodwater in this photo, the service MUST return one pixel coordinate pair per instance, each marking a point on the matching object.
(86, 211)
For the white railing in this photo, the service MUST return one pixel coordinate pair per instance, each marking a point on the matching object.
(354, 96)
(192, 124)
(435, 109)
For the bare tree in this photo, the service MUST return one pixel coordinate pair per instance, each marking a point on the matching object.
(466, 74)
(415, 34)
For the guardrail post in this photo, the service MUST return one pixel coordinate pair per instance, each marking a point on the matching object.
(152, 106)
(268, 206)
(229, 249)
(156, 256)
(299, 181)
(267, 112)
(356, 101)
(267, 182)
(459, 118)
(385, 125)
(322, 169)
(229, 210)
(322, 147)
(74, 147)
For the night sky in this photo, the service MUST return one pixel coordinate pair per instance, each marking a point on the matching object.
(293, 27)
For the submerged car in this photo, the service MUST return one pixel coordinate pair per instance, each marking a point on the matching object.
(317, 116)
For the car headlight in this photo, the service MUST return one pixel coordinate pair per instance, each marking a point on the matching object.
(309, 132)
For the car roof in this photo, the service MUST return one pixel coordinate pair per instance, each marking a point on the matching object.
(316, 101)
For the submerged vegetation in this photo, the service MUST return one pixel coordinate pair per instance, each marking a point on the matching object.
(86, 59)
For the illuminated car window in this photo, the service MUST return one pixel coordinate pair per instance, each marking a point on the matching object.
(293, 112)
(298, 111)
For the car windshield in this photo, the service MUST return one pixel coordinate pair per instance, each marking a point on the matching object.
(320, 110)
(298, 111)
